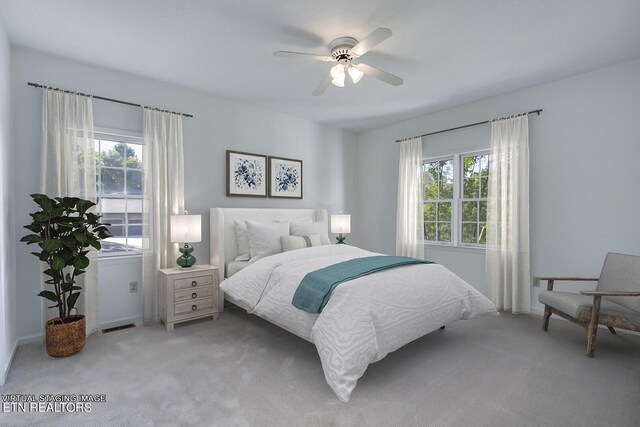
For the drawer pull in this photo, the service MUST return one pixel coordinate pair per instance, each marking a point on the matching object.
(194, 307)
(194, 295)
(194, 283)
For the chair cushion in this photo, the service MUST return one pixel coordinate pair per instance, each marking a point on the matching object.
(574, 304)
(621, 273)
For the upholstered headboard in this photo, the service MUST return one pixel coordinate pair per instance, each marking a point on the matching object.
(224, 246)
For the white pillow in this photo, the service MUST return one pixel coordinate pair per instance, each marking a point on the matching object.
(307, 228)
(242, 237)
(290, 243)
(264, 239)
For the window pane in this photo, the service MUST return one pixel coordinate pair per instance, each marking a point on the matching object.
(446, 190)
(134, 182)
(484, 165)
(482, 237)
(470, 188)
(431, 191)
(134, 156)
(444, 211)
(444, 232)
(112, 153)
(483, 211)
(470, 167)
(429, 211)
(430, 231)
(484, 186)
(117, 241)
(469, 232)
(112, 181)
(446, 167)
(433, 170)
(469, 211)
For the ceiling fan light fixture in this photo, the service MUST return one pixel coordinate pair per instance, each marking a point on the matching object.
(337, 73)
(355, 74)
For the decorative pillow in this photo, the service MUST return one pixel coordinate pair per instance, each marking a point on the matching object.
(308, 228)
(242, 237)
(290, 243)
(264, 238)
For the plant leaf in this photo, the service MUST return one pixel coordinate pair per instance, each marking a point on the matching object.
(51, 296)
(51, 245)
(71, 301)
(57, 262)
(81, 262)
(31, 238)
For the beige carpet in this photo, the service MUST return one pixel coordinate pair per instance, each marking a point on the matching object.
(243, 371)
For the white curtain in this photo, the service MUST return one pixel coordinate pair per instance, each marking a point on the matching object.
(68, 168)
(410, 213)
(507, 253)
(163, 196)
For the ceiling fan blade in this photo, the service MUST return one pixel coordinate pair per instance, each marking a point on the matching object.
(371, 41)
(324, 84)
(379, 74)
(287, 54)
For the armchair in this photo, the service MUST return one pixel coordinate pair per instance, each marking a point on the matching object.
(615, 303)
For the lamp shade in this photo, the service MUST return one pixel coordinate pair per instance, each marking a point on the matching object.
(341, 223)
(186, 228)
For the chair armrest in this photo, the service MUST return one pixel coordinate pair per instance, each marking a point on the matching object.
(612, 293)
(551, 280)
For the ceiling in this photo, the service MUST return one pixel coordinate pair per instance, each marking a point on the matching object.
(449, 52)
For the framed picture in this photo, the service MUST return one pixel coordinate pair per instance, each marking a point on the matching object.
(246, 174)
(285, 178)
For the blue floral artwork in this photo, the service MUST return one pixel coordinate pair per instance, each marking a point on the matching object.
(246, 174)
(286, 178)
(249, 174)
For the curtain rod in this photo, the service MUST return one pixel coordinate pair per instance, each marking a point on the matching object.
(460, 127)
(106, 99)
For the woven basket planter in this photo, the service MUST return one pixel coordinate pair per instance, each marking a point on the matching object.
(65, 339)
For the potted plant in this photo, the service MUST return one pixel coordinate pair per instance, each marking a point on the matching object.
(64, 229)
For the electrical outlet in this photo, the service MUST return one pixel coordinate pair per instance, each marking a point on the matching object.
(133, 287)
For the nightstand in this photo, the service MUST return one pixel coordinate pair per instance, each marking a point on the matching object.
(187, 294)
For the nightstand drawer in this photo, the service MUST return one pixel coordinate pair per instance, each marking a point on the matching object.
(195, 307)
(192, 282)
(193, 293)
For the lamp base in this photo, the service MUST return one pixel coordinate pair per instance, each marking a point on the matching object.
(186, 260)
(340, 239)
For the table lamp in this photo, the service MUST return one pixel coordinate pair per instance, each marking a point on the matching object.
(340, 223)
(186, 229)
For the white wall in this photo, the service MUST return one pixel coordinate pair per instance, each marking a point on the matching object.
(7, 240)
(584, 160)
(329, 154)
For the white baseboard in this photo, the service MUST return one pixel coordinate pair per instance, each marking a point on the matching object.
(5, 371)
(30, 339)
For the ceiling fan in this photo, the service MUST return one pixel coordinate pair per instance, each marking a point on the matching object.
(346, 51)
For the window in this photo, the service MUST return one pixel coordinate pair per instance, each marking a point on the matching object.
(119, 190)
(475, 185)
(455, 199)
(438, 204)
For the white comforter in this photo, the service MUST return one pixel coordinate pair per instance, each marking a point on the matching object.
(366, 318)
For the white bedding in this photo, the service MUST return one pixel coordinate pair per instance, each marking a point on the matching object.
(366, 318)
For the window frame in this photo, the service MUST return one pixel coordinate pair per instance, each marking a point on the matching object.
(125, 137)
(456, 203)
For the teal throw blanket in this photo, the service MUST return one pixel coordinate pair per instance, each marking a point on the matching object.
(316, 287)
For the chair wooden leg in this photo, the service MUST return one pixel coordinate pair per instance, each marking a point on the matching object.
(545, 321)
(592, 328)
(613, 331)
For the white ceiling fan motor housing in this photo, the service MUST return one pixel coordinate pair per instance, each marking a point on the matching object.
(341, 48)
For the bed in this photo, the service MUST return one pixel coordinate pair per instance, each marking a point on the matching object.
(365, 318)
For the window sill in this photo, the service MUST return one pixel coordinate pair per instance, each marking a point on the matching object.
(120, 258)
(455, 248)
